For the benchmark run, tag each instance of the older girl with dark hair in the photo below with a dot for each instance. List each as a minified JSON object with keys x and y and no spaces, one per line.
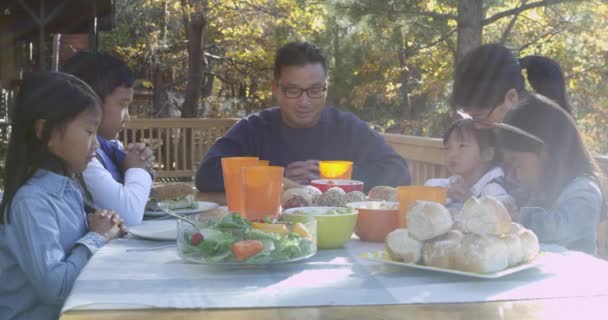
{"x":551,"y":174}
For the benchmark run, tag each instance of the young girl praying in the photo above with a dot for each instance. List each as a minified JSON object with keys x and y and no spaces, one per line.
{"x":46,"y":234}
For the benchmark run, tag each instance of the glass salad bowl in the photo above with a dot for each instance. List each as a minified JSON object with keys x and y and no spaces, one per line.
{"x":233,"y":240}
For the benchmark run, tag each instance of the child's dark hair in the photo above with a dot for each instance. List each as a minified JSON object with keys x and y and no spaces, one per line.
{"x":486,"y":138}
{"x":298,"y":54}
{"x":484,"y":76}
{"x":102,"y":71}
{"x":566,"y":151}
{"x":57,"y":98}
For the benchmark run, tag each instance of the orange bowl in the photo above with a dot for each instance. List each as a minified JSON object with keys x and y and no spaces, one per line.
{"x":376,"y":219}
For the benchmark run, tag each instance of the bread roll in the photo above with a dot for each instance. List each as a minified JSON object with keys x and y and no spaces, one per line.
{"x":481,"y":254}
{"x":296,"y":197}
{"x":485,"y":216}
{"x":314,"y":193}
{"x":334,"y":197}
{"x":453,"y":235}
{"x":529,"y":244}
{"x":171,"y":191}
{"x":515,"y":252}
{"x":516,"y":227}
{"x":427,"y":220}
{"x":355,"y":196}
{"x":402,"y":247}
{"x":289,"y":184}
{"x":457,"y":218}
{"x":440,"y":253}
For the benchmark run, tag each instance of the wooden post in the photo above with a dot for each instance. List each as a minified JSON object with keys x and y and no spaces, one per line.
{"x":42,"y":34}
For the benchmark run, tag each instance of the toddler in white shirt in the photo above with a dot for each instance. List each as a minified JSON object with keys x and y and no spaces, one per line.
{"x":473,"y":160}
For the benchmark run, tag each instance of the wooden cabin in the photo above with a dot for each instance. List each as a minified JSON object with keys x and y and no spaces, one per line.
{"x":38,"y":34}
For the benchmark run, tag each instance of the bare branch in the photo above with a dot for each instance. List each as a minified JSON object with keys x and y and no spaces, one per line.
{"x":598,"y":68}
{"x":523,"y":8}
{"x":437,"y":15}
{"x":549,"y":35}
{"x":441,"y":39}
{"x":511,"y":24}
{"x":222,"y":78}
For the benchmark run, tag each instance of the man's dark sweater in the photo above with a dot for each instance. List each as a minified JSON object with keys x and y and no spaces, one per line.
{"x":338,"y":136}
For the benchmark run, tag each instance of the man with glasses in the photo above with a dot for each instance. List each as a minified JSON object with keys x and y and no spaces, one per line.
{"x":302,"y":130}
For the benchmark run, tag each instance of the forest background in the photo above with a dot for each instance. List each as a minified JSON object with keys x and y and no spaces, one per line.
{"x":391,"y":62}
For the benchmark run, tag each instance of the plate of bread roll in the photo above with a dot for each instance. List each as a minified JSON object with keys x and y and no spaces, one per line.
{"x":480,"y":241}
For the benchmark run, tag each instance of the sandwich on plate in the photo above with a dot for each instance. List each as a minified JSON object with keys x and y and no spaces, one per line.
{"x":172,"y":196}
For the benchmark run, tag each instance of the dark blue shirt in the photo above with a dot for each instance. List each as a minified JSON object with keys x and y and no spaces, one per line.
{"x":338,"y":136}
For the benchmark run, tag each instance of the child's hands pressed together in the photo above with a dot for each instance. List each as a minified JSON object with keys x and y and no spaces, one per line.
{"x":107,"y":223}
{"x":138,"y":156}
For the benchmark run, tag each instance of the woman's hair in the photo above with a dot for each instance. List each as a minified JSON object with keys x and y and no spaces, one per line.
{"x":486,"y":138}
{"x":57,"y":98}
{"x":554,"y":131}
{"x":102,"y":71}
{"x":484,"y":76}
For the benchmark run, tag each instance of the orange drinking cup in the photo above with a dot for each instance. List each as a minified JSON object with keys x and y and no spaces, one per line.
{"x":233,"y":180}
{"x":336,"y":170}
{"x":408,"y":195}
{"x":262,"y":188}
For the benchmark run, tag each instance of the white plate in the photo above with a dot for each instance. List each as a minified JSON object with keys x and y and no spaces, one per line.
{"x":155,"y":230}
{"x":382,"y":256}
{"x":202,"y":207}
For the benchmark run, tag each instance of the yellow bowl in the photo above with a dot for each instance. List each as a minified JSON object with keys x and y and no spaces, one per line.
{"x":333,"y":230}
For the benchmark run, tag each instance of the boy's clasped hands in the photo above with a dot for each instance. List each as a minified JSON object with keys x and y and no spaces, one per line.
{"x":138,"y":155}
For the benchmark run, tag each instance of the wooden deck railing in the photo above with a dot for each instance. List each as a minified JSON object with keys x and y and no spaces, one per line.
{"x":180,"y":144}
{"x":425,"y":156}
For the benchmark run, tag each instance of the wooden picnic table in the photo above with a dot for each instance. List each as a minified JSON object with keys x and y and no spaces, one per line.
{"x":590,"y":307}
{"x":549,"y":309}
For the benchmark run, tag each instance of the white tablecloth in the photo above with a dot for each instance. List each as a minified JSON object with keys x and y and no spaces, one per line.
{"x":116,"y":279}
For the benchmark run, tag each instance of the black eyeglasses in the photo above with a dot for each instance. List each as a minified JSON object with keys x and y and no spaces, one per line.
{"x":485,"y":120}
{"x":313,"y":93}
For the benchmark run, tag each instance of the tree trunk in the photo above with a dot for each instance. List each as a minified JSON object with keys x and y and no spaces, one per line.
{"x":337,"y":74}
{"x":470,"y":26}
{"x":159,"y":92}
{"x":404,"y":74}
{"x":195,"y":28}
{"x":208,"y":78}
